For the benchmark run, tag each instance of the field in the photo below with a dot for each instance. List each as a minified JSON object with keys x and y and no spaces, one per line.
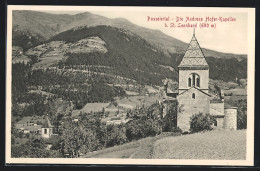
{"x":19,"y":141}
{"x":31,"y":119}
{"x":94,"y":107}
{"x":218,"y":145}
{"x":21,"y":59}
{"x":237,"y":91}
{"x":234,"y":98}
{"x":142,"y":148}
{"x":132,"y":101}
{"x":53,"y":52}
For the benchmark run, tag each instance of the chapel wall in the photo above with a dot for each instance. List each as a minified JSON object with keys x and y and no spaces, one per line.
{"x":190,"y":107}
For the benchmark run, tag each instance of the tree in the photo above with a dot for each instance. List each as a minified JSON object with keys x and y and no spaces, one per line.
{"x":115,"y":135}
{"x":103,"y":110}
{"x":155,"y":111}
{"x":169,"y":122}
{"x":34,"y":59}
{"x":84,"y":136}
{"x":201,"y":122}
{"x":77,"y":140}
{"x":57,"y":120}
{"x":142,"y":127}
{"x":34,"y":148}
{"x":241,"y":114}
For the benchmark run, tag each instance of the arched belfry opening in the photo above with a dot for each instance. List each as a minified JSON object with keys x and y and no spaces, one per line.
{"x":189,"y":82}
{"x":198,"y":82}
{"x":194,"y":80}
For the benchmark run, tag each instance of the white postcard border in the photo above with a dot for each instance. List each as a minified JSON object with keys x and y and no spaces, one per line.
{"x":250,"y":90}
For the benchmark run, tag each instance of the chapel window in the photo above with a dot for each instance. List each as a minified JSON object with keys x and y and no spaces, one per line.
{"x":193,"y":79}
{"x":189,"y":82}
{"x":193,"y":95}
{"x":198,"y":82}
{"x":45,"y":131}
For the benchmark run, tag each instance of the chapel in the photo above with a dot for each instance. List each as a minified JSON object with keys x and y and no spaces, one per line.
{"x":193,"y":94}
{"x":47,"y":128}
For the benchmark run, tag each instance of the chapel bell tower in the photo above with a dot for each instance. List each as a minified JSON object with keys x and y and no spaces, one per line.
{"x":193,"y":69}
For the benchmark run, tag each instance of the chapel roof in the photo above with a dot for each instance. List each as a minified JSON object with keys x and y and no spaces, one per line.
{"x":196,"y":89}
{"x":47,"y":123}
{"x":214,"y":112}
{"x":193,"y":56}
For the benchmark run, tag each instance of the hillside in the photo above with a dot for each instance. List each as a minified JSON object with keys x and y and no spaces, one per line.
{"x":127,"y":55}
{"x":131,"y":56}
{"x":44,"y":25}
{"x":113,"y":51}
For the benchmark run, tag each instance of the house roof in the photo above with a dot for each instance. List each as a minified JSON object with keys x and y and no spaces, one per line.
{"x":29,"y":128}
{"x":169,"y":90}
{"x":216,"y":113}
{"x":193,"y":56}
{"x":47,"y":123}
{"x":196,"y":89}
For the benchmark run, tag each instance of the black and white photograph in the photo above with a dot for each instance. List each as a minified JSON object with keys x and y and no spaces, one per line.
{"x":130,"y":85}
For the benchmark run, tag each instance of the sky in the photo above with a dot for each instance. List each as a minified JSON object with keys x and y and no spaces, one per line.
{"x":229,"y":37}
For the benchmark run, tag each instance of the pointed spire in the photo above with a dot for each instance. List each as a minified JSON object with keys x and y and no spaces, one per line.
{"x":47,"y":123}
{"x":193,"y":56}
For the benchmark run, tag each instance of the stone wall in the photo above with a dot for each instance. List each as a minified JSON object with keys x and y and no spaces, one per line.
{"x":191,"y":106}
{"x":220,"y":122}
{"x":230,"y":119}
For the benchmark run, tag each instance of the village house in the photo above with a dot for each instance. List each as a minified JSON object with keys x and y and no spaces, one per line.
{"x":27,"y":125}
{"x":193,"y":92}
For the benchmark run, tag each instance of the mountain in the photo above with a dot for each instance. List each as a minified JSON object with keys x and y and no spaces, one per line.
{"x":45,"y":25}
{"x":97,"y":64}
{"x":128,"y":55}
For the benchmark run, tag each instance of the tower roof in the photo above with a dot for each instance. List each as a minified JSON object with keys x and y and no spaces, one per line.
{"x":193,"y":56}
{"x":47,"y":123}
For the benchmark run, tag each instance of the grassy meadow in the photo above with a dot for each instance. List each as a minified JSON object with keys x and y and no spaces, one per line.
{"x":214,"y":145}
{"x":142,"y":149}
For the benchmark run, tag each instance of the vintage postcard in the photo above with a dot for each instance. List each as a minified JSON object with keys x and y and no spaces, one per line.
{"x":130,"y":85}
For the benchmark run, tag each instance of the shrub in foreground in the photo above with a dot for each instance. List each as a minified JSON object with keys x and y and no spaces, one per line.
{"x":201,"y":122}
{"x":141,"y":128}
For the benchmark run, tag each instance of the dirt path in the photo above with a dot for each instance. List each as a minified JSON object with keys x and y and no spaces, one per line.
{"x":138,"y":149}
{"x":145,"y":150}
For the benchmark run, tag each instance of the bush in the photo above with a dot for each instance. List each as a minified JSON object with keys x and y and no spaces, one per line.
{"x":115,"y":135}
{"x":201,"y":122}
{"x":34,"y":148}
{"x":141,"y":128}
{"x":241,"y":114}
